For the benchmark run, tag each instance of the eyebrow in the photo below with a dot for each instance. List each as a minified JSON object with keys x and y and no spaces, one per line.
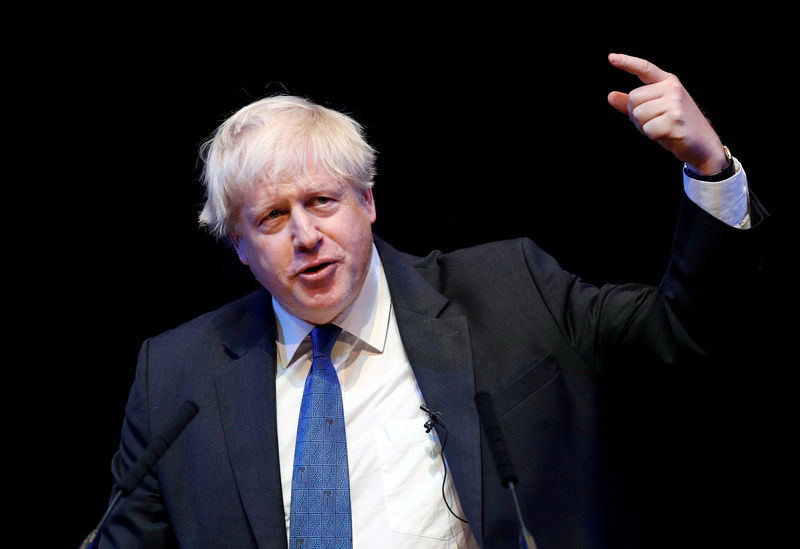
{"x":264,"y":203}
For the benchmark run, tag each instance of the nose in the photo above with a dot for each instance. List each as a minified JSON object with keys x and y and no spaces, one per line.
{"x":305,"y":232}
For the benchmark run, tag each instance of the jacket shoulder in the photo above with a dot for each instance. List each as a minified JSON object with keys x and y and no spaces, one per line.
{"x":235,"y":324}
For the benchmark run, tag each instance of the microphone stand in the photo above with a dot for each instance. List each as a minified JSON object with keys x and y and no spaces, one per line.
{"x":525,"y":537}
{"x":88,"y":543}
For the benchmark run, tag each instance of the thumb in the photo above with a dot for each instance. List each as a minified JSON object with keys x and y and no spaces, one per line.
{"x":619,"y":101}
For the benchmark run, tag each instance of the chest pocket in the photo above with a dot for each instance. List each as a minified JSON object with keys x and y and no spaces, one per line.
{"x":526,"y":385}
{"x":412,"y":471}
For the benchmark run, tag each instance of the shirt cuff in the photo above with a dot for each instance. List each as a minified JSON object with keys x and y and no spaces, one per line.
{"x":727,"y":200}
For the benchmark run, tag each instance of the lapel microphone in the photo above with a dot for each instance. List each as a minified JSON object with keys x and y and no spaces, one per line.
{"x":435,"y":418}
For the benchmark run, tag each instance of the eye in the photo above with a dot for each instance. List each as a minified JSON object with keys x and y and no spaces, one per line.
{"x":271,"y":218}
{"x":321,"y":201}
{"x":322,"y":204}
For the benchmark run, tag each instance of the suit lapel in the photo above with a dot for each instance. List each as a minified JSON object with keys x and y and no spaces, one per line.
{"x":246,"y":397}
{"x":436,"y":339}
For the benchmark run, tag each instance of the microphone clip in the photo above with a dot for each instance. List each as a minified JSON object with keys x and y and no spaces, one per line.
{"x":434,"y":419}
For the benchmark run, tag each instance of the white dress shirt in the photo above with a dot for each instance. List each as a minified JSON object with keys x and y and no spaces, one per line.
{"x":396,"y":468}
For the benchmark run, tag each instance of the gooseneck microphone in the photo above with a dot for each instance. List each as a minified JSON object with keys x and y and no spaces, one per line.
{"x":145,"y":462}
{"x":502,"y":459}
{"x":156,"y":448}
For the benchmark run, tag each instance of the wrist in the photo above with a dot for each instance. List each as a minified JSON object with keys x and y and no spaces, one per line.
{"x":727,"y":171}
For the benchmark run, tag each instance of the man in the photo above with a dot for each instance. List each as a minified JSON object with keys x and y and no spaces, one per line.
{"x":289,"y":183}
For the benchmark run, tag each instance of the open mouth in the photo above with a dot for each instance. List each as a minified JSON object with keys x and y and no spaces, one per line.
{"x":315,"y":268}
{"x":317,"y":271}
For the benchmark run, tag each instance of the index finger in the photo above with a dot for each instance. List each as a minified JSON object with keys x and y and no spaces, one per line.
{"x":645,"y":70}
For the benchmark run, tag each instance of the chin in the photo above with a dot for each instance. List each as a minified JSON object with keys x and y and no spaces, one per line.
{"x":322,"y":312}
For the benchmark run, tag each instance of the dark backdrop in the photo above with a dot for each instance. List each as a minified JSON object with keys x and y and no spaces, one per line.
{"x":490,"y":122}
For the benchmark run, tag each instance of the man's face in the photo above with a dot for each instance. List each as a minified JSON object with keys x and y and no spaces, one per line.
{"x":308,"y":242}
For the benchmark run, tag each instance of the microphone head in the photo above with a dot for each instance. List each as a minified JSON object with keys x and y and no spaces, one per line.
{"x":158,"y":445}
{"x":182,"y":417}
{"x":495,"y":438}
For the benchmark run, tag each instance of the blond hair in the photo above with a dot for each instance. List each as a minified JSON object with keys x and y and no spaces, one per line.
{"x":276,"y":139}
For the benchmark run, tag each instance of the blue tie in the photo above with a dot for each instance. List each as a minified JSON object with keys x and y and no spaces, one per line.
{"x":320,"y":508}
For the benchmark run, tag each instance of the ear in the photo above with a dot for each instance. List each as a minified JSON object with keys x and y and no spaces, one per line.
{"x":369,"y":205}
{"x":238,"y":246}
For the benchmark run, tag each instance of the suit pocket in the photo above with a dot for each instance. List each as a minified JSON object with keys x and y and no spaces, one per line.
{"x":526,"y":385}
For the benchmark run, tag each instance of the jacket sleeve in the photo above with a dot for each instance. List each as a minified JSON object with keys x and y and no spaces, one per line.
{"x":698,"y":309}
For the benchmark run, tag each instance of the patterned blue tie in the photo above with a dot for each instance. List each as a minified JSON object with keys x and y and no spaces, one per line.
{"x":320,"y":508}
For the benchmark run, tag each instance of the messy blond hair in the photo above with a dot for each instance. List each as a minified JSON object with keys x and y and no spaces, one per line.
{"x":275,"y":139}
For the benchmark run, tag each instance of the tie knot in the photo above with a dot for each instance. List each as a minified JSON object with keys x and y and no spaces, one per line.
{"x":322,"y":339}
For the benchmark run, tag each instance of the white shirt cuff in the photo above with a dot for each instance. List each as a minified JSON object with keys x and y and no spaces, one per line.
{"x":727,"y":200}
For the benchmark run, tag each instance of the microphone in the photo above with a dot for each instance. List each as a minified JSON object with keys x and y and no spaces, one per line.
{"x":145,"y":462}
{"x":502,"y":459}
{"x":156,"y":448}
{"x":434,"y":419}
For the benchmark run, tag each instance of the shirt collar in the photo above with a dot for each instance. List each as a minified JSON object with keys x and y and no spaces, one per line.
{"x":367,"y":318}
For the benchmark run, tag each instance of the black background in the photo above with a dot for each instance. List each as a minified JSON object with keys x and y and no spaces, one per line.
{"x":490,"y":122}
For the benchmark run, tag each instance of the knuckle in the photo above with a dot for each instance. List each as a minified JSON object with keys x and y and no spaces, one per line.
{"x":673,"y":81}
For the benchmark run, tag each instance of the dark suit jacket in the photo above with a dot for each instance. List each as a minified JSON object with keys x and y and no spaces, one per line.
{"x":502,"y":317}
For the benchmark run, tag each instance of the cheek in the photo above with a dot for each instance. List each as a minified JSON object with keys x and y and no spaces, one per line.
{"x":264,"y":260}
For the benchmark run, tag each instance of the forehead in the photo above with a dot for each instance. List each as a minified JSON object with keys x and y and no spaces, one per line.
{"x":264,"y":191}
